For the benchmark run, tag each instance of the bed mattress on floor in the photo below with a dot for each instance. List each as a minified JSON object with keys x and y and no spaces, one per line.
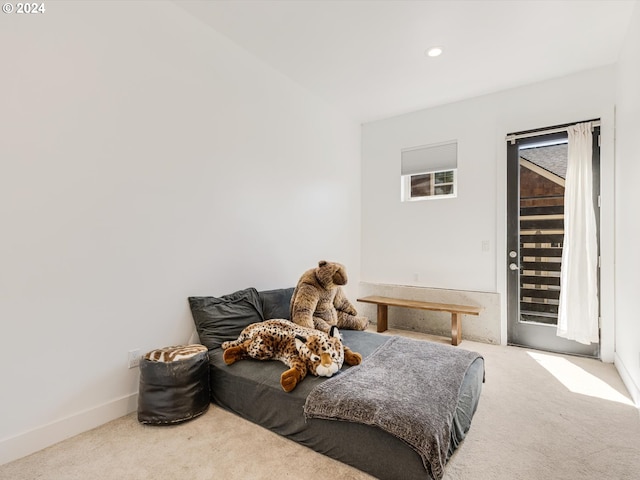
{"x":251,"y":389}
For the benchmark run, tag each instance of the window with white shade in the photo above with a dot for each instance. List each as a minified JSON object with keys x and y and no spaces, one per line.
{"x":429,"y":171}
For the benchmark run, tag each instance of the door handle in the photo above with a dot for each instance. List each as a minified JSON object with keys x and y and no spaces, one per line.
{"x":513,"y":266}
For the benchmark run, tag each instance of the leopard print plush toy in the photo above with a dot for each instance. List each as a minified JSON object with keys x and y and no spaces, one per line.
{"x":301,"y":349}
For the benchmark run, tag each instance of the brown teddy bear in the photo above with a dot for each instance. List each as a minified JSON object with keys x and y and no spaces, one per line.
{"x":319,"y":302}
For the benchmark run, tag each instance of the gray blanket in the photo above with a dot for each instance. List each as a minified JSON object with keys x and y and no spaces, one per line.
{"x":406,"y":387}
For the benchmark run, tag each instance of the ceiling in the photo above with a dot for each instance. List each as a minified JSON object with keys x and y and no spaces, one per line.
{"x":368,"y":57}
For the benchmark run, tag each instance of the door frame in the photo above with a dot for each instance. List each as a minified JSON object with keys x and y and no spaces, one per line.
{"x":538,"y":336}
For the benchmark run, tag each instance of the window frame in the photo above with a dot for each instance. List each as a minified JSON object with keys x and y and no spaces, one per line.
{"x":407,"y":193}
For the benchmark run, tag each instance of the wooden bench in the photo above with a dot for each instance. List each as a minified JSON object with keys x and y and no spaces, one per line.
{"x":456,"y":312}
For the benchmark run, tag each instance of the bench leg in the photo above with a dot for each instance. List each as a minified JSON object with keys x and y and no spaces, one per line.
{"x":381,"y":324}
{"x":456,"y":328}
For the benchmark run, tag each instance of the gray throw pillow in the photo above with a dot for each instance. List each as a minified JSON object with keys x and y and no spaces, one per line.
{"x":276,"y":303}
{"x":219,"y":319}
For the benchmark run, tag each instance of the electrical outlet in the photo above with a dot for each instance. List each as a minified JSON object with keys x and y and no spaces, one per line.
{"x":134,"y":358}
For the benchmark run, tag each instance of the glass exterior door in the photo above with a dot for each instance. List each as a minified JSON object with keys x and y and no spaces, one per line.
{"x":536,"y":173}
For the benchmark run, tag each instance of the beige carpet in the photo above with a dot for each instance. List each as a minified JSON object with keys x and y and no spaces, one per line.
{"x":574,"y":423}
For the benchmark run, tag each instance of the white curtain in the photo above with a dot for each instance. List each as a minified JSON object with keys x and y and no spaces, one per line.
{"x":578,"y":310}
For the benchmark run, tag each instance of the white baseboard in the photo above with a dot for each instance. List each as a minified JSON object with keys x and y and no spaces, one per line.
{"x":18,"y":446}
{"x":633,"y":389}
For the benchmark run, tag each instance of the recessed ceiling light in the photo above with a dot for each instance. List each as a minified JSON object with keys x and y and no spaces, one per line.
{"x":434,"y":51}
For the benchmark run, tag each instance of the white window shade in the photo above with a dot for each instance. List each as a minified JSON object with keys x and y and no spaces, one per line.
{"x":430,"y":158}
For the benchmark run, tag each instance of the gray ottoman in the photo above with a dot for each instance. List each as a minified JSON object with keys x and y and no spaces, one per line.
{"x":174,"y":385}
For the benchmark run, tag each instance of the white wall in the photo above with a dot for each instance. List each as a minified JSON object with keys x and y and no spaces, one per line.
{"x":627,"y":201}
{"x":145,"y":158}
{"x":440,"y":241}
